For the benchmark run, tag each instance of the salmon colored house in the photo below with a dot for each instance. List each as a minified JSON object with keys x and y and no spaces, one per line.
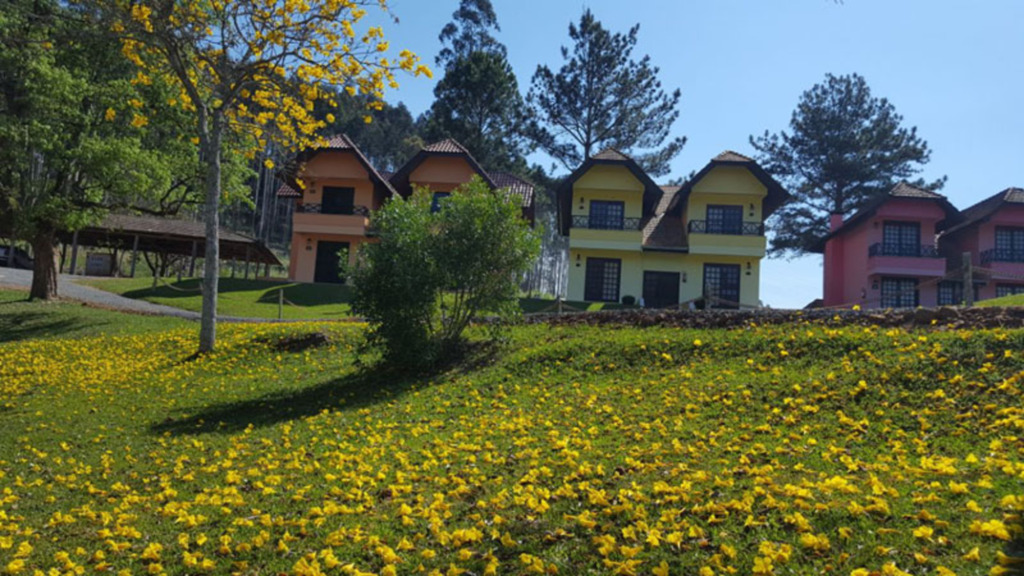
{"x":666,"y":245}
{"x":886,"y":255}
{"x":342,"y":188}
{"x":992,"y":231}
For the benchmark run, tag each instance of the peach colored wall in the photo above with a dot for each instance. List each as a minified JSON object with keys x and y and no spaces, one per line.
{"x":337,"y":169}
{"x":303,"y":263}
{"x":442,"y":173}
{"x":850,"y":274}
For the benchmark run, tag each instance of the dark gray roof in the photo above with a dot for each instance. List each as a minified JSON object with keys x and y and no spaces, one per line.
{"x":984,"y":209}
{"x":516,"y":186}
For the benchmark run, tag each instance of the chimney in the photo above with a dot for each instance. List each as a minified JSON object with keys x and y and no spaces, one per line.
{"x":834,"y":222}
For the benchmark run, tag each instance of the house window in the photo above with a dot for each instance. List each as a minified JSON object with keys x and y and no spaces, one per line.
{"x":1009,"y":244}
{"x":438,"y":200}
{"x":901,"y":239}
{"x":602,"y":280}
{"x":722,"y":285}
{"x":605,"y":215}
{"x":1009,"y":290}
{"x":725,"y":219}
{"x":950,"y":293}
{"x":337,"y":200}
{"x":899,"y":293}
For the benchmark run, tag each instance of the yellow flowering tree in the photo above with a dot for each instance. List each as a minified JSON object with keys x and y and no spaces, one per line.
{"x":252,"y":71}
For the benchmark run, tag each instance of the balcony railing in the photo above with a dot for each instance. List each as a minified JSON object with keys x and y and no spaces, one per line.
{"x":1000,"y":255}
{"x":902,"y":250}
{"x":744,"y":229}
{"x":626,"y":223}
{"x":343,"y":211}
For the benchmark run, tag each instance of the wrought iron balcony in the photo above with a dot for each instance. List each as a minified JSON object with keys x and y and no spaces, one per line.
{"x":605,"y":224}
{"x":903,"y":250}
{"x":738,"y":229}
{"x":1001,"y":255}
{"x":341,"y":210}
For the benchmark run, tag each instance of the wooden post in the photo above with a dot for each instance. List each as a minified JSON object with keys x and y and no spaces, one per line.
{"x":74,"y":252}
{"x":246,"y":262}
{"x":233,"y":268}
{"x":558,"y":304}
{"x":135,"y":255}
{"x":192,"y":262}
{"x":968,"y":280}
{"x":280,"y":304}
{"x":266,"y":271}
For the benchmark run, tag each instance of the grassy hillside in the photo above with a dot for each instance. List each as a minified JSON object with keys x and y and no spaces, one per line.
{"x":238,"y":297}
{"x":1015,"y":300}
{"x":786,"y":450}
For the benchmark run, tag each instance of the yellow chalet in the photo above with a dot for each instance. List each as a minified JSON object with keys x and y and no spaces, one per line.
{"x":665,"y":245}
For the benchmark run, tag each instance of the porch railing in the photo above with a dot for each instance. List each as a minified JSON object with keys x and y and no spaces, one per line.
{"x":903,"y":250}
{"x":603,"y":224}
{"x":312,"y":208}
{"x":1001,"y":255}
{"x":742,"y":229}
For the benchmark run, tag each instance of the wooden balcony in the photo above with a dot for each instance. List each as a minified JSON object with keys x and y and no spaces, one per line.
{"x":905,"y":260}
{"x":309,"y":219}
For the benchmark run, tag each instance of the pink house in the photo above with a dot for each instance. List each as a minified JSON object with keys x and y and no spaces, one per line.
{"x":993,"y":232}
{"x":885,"y":255}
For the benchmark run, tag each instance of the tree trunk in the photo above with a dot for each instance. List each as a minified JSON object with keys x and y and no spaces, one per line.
{"x":44,"y":267}
{"x":211,"y":262}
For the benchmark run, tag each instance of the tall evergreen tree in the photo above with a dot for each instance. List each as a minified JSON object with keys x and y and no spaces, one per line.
{"x":845,"y":148}
{"x":477,"y":102}
{"x":601,"y":97}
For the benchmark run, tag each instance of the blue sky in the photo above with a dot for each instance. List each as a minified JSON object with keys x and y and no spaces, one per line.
{"x":953,"y":69}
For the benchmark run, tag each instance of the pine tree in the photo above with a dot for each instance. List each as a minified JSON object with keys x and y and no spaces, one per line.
{"x":845,"y":148}
{"x":601,"y":97}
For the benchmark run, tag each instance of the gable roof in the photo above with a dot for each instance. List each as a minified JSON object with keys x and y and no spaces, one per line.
{"x":447,"y":147}
{"x":776,"y":197}
{"x":608,"y":157}
{"x":660,"y":233}
{"x":337,"y":143}
{"x":900,"y":190}
{"x":986,"y":208}
{"x":517,"y":187}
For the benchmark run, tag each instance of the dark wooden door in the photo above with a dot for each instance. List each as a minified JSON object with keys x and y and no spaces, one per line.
{"x":328,"y":262}
{"x":661,"y":289}
{"x":602,"y":280}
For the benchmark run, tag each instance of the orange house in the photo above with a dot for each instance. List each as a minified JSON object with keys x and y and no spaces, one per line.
{"x":342,"y":189}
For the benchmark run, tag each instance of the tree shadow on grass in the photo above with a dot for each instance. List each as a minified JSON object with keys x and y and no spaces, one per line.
{"x":348,"y":392}
{"x":370,"y":385}
{"x":32,"y":325}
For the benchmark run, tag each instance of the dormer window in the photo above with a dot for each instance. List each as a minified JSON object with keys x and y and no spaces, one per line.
{"x":338,"y":200}
{"x":725,"y":219}
{"x":607,"y":215}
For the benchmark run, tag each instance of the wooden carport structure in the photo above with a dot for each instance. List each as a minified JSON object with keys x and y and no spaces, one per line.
{"x":166,"y":236}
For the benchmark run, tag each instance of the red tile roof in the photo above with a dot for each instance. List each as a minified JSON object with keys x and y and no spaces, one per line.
{"x":986,"y":208}
{"x":516,"y":186}
{"x":286,"y":191}
{"x":446,"y":146}
{"x":730,"y":156}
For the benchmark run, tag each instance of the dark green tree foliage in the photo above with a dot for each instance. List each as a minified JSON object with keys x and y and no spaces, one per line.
{"x":75,"y":133}
{"x":477,"y":101}
{"x":432,"y":273}
{"x":388,"y":140}
{"x":845,"y":148}
{"x":469,"y":32}
{"x":601,"y":97}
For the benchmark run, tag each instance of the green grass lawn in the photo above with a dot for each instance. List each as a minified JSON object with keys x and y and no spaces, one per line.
{"x":237,"y":297}
{"x":799,"y":449}
{"x":23,"y":320}
{"x":1015,"y":300}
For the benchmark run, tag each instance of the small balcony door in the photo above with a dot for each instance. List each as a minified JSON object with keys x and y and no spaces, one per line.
{"x":607,"y":215}
{"x":722,"y":285}
{"x":725,"y":219}
{"x":661,"y":289}
{"x":337,"y":200}
{"x":328,"y":262}
{"x":602,"y":280}
{"x":901,"y":239}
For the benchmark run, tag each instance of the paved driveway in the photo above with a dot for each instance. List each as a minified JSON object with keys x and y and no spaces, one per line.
{"x":68,"y":289}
